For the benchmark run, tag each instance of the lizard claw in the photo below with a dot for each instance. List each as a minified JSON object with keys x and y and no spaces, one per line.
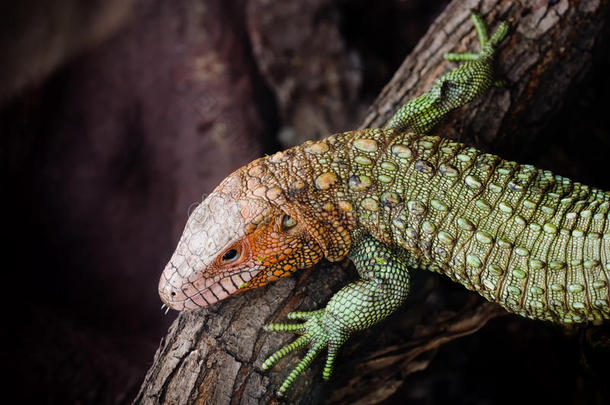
{"x":317,"y":331}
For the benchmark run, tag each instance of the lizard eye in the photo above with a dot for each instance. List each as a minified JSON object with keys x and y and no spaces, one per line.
{"x":230,"y":255}
{"x":288,"y":222}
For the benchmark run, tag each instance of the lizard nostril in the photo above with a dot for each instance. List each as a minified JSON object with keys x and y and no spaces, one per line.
{"x":173,"y":294}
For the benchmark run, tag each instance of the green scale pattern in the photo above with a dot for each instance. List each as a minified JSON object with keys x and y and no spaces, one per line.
{"x":383,"y":286}
{"x":535,"y":242}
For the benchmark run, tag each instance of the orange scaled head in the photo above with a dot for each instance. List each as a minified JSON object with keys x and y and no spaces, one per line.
{"x":238,"y":238}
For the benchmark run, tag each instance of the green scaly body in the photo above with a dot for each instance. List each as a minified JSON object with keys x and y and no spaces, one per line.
{"x":535,"y":242}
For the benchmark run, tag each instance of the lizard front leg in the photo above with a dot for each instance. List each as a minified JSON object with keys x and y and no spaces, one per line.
{"x":383,"y":286}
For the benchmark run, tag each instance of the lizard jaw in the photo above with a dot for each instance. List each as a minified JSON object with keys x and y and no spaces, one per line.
{"x":201,"y":292}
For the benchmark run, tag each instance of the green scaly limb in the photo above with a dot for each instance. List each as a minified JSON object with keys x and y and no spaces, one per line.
{"x":455,"y":89}
{"x":382,"y":288}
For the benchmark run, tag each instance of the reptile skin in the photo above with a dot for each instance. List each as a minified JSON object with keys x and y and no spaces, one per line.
{"x":395,"y":199}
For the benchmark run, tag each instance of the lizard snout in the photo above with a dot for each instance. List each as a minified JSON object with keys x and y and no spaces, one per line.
{"x":170,"y":295}
{"x":178,"y":293}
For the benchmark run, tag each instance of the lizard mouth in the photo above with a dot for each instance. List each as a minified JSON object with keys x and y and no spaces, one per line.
{"x":202,"y":292}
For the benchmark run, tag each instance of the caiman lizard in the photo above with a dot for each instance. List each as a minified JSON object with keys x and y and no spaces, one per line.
{"x":394,"y":199}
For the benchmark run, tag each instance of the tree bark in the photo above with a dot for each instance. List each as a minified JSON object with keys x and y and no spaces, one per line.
{"x":214,"y":355}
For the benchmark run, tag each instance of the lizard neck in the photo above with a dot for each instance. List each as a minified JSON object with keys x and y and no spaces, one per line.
{"x":345,"y":185}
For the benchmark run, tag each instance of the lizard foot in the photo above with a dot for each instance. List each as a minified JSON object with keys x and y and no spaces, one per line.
{"x":455,"y":88}
{"x":317,"y":331}
{"x":487,"y":44}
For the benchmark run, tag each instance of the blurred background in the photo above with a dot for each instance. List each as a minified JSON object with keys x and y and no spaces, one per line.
{"x":117,"y":116}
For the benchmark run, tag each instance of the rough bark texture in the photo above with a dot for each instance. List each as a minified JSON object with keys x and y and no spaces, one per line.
{"x":214,"y":355}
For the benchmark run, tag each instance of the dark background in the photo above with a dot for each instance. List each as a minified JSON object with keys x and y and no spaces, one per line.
{"x":117,"y":116}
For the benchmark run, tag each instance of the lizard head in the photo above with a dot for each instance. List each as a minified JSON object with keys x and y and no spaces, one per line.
{"x":240,"y":237}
